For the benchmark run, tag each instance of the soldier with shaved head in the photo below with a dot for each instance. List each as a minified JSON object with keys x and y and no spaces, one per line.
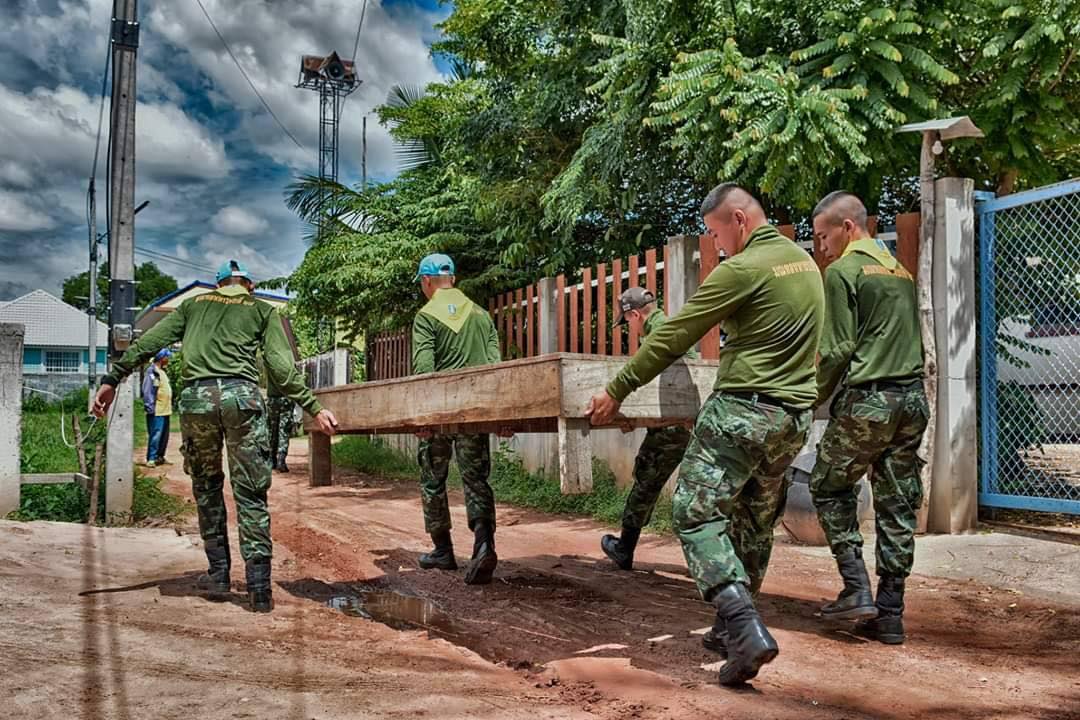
{"x":872,"y":349}
{"x":731,"y":486}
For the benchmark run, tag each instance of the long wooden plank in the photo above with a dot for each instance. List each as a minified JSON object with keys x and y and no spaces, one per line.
{"x":575,"y":457}
{"x":586,"y":311}
{"x":650,"y":270}
{"x":601,"y":309}
{"x":518,"y":389}
{"x":543,"y":389}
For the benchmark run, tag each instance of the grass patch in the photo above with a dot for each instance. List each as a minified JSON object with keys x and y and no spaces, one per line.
{"x":43,"y":451}
{"x":511,"y":481}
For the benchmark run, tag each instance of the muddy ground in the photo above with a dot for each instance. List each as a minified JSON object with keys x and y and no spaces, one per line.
{"x":107,"y":624}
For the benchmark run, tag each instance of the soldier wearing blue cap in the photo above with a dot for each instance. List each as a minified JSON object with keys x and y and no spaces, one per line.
{"x":157,"y":401}
{"x":449,"y":333}
{"x":221,"y":406}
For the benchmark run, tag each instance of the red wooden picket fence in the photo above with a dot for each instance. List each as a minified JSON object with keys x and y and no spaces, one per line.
{"x":584,"y":306}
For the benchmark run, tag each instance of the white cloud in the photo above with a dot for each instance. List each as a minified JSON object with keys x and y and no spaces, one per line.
{"x":16,"y":215}
{"x":55,"y":130}
{"x":209,"y":156}
{"x":269,"y":41}
{"x":236,"y":221}
{"x":12,"y":174}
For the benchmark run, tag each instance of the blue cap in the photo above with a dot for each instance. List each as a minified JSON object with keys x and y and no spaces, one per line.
{"x":435,"y":264}
{"x":232,"y":268}
{"x":162,"y":354}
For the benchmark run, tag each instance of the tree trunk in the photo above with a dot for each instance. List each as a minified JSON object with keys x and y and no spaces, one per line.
{"x":925,"y":284}
{"x":1007,"y":182}
{"x":95,"y":484}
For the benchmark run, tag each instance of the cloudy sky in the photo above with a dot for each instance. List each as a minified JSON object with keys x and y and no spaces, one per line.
{"x":210,"y":160}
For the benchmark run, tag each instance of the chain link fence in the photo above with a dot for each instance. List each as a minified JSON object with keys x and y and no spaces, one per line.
{"x":1029,"y":258}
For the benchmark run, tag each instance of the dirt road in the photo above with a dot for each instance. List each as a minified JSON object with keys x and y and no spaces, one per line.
{"x":558,"y":634}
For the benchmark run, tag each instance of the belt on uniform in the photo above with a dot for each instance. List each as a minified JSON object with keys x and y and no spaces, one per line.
{"x":889,"y":385}
{"x":763,"y":399}
{"x":219,"y":381}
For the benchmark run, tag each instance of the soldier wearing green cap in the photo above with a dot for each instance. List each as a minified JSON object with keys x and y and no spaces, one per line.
{"x":731,"y":488}
{"x":221,"y":405}
{"x":662,"y":449}
{"x":871,"y":348}
{"x":452,"y":332}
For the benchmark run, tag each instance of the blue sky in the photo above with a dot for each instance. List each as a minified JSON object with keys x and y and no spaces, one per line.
{"x":210,"y":160}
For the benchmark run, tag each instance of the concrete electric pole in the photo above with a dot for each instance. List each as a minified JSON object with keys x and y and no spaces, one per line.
{"x":125,"y":42}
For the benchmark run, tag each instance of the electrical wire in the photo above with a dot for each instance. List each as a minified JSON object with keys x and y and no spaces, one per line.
{"x":242,"y":72}
{"x":63,"y":425}
{"x":356,"y":44}
{"x":173,"y":259}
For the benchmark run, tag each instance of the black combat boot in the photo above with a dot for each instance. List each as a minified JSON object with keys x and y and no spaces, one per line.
{"x":888,"y":626}
{"x":621,"y":549}
{"x":484,"y":559}
{"x":749,"y":644}
{"x":260,"y":598}
{"x":442,"y":557}
{"x":215,"y":580}
{"x":855,"y":601}
{"x":715,"y":638}
{"x":282,"y":467}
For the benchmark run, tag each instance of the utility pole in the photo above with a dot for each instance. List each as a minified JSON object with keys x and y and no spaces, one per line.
{"x":125,"y":43}
{"x":363,"y":155}
{"x":92,"y":310}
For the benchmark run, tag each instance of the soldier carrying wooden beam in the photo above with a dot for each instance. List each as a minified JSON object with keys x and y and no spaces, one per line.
{"x":731,"y":487}
{"x":449,"y":333}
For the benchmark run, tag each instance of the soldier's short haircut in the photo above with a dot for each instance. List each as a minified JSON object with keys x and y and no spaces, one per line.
{"x":719,"y":195}
{"x":841,"y":205}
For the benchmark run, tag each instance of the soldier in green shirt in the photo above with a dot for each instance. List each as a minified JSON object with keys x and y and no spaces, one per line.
{"x":731,"y":486}
{"x":449,"y":333}
{"x":872,"y":347}
{"x":661,"y":451}
{"x":221,"y":405}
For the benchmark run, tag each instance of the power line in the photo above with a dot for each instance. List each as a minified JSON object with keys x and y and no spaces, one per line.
{"x":356,"y":43}
{"x":154,"y":255}
{"x":242,"y":72}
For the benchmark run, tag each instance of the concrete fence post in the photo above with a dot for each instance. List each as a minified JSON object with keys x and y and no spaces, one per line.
{"x":341,"y":366}
{"x":954,"y":496}
{"x":681,"y":271}
{"x":11,"y":363}
{"x":549,"y":321}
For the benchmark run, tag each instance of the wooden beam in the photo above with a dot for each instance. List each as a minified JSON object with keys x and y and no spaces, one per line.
{"x":575,"y":457}
{"x":543,"y":388}
{"x":320,"y":468}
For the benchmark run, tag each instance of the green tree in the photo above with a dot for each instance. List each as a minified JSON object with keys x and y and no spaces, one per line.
{"x":151,"y":283}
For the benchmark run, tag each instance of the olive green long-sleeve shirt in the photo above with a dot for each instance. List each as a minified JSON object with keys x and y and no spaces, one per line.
{"x":871,"y":325}
{"x":222,"y":332}
{"x":770,"y":300}
{"x":452,"y":332}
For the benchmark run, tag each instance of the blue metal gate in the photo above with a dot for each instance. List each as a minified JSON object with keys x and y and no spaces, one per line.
{"x":1029,"y":336}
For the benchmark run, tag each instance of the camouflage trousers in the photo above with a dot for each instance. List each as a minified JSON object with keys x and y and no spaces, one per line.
{"x":228,"y":413}
{"x":880,"y":430}
{"x":280,"y":421}
{"x":660,"y":453}
{"x":474,"y":461}
{"x":732,"y":489}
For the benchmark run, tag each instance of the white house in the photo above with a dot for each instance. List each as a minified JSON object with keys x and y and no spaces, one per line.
{"x":56,"y":356}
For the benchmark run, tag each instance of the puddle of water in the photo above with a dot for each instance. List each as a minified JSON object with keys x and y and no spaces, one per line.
{"x":401,"y":612}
